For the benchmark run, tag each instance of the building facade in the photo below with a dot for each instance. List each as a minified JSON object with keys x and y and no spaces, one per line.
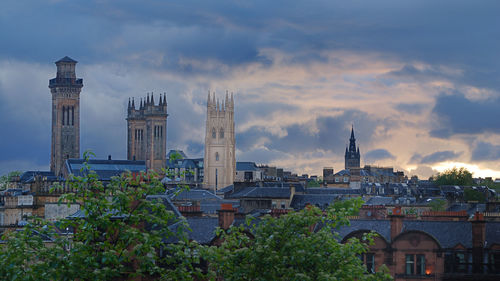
{"x":220,"y":159}
{"x":352,"y":156}
{"x":147,"y":132}
{"x":65,"y":90}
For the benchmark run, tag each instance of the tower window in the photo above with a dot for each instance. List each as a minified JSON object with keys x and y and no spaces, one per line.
{"x":214,"y":135}
{"x":216,"y":156}
{"x":221,"y":133}
{"x":72,"y":116}
{"x":63,"y":114}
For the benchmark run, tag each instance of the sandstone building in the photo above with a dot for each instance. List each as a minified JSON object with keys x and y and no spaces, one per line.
{"x":219,"y":160}
{"x":65,"y":89}
{"x":147,"y":132}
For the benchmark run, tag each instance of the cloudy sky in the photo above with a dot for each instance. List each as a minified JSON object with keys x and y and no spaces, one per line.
{"x":419,"y":80}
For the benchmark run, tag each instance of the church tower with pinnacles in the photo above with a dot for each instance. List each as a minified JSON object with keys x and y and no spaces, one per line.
{"x":147,"y":131}
{"x":65,"y":90}
{"x":219,"y":160}
{"x":352,"y":156}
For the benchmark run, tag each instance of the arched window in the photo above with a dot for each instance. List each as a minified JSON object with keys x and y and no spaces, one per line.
{"x":216,"y":156}
{"x":213,"y":133}
{"x":221,"y":133}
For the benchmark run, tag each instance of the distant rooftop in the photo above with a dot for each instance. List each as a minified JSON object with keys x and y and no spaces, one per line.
{"x":66,"y":59}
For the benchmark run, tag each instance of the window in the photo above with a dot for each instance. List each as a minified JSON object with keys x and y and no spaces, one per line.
{"x":410,"y":263}
{"x":415,"y":268}
{"x":214,"y":135}
{"x":221,"y":133}
{"x":420,"y":264}
{"x":283,"y":205}
{"x":494,"y":262}
{"x":368,"y":260}
{"x":216,"y":156}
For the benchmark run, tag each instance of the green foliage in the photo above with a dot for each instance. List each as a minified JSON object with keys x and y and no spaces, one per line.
{"x":438,"y":205}
{"x":454,"y":176}
{"x":119,"y":237}
{"x":5,"y":179}
{"x":297,"y":246}
{"x":474,"y":195}
{"x":317,"y":183}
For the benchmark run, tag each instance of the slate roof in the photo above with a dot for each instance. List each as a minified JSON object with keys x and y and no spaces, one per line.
{"x":471,"y":208}
{"x":262,"y":192}
{"x":195,"y":195}
{"x":66,"y":59}
{"x":492,"y":233}
{"x":299,"y":201}
{"x":380,"y":200}
{"x":332,"y":191}
{"x":382,"y":227}
{"x":105,"y":169}
{"x":447,"y":233}
{"x":29,"y":176}
{"x":184,"y":163}
{"x":202,"y":229}
{"x":246,"y":166}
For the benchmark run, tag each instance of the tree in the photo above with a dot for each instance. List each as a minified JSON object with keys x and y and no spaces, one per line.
{"x":438,"y":205}
{"x":296,"y":246}
{"x":118,"y":236}
{"x":454,"y":176}
{"x":474,"y":195}
{"x":5,"y":179}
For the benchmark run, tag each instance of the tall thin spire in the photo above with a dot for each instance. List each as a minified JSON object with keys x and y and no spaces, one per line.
{"x":164,"y":98}
{"x":141,"y":106}
{"x":133,"y":103}
{"x":152,"y":99}
{"x":129,"y":104}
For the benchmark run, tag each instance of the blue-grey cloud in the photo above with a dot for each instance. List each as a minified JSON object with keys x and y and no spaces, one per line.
{"x":457,"y":114}
{"x":412,"y":108}
{"x":439,"y":156}
{"x":234,"y":32}
{"x":378,"y":154}
{"x":485,"y":151}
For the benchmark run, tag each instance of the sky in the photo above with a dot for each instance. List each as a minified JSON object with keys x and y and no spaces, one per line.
{"x":418,"y":80}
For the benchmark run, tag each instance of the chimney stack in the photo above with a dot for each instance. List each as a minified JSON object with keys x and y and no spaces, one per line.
{"x":226,"y":215}
{"x":396,"y":222}
{"x":478,"y":238}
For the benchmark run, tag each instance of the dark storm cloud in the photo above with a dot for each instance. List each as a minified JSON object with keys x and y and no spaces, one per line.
{"x":233,"y":32}
{"x":484,"y":151}
{"x":378,"y":154}
{"x":435,"y":157}
{"x":456,"y":114}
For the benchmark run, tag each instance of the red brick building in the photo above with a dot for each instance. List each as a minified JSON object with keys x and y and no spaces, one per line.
{"x":447,"y":249}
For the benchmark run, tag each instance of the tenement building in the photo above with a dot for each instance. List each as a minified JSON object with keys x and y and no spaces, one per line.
{"x":219,"y":160}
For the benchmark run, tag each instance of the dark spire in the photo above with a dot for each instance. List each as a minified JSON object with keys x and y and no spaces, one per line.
{"x":129,"y":104}
{"x":164,"y":98}
{"x":160,"y":103}
{"x":140,"y":107}
{"x":152,"y":99}
{"x":133,"y":103}
{"x":352,"y":133}
{"x":147,"y":101}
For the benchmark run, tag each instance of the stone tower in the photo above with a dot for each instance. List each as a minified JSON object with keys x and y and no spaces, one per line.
{"x":220,"y":160}
{"x":65,"y":90}
{"x":147,"y":132}
{"x":352,"y":156}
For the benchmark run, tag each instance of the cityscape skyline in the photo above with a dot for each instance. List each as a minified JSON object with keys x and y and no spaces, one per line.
{"x":419,"y":81}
